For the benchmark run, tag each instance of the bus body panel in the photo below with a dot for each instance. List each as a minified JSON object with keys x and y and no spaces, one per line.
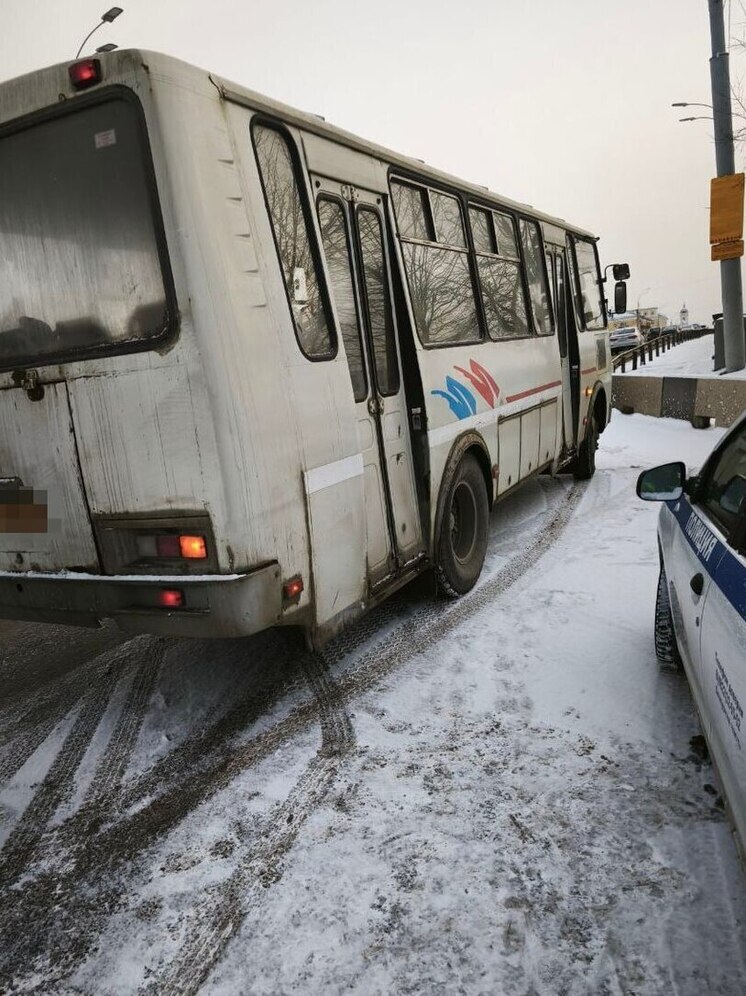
{"x":228,"y":419}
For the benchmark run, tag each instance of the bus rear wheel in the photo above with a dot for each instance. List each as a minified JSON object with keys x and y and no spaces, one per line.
{"x":462,"y":538}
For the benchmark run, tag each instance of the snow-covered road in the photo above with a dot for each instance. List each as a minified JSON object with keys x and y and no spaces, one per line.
{"x":500,"y":795}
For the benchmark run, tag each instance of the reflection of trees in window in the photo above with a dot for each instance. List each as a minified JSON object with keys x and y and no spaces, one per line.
{"x":377,"y":299}
{"x":533,"y":253}
{"x":335,"y":240}
{"x":409,"y":208}
{"x":502,"y":296}
{"x":499,"y":276}
{"x":440,"y":283}
{"x":505,"y":231}
{"x":590,"y":303}
{"x":449,"y":228}
{"x":293,"y":242}
{"x":442,"y":294}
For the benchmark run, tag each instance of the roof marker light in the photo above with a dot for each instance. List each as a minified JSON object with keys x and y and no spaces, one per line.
{"x":85,"y":73}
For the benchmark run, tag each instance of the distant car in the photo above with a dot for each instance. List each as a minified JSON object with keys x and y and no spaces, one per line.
{"x":652,"y":334}
{"x":668,"y":329}
{"x":700,"y":610}
{"x":625,"y":338}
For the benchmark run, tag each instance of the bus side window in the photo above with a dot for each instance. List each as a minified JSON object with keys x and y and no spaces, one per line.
{"x":293,"y":242}
{"x":335,"y":240}
{"x":589,"y":296}
{"x":377,"y":299}
{"x":436,"y":261}
{"x":533,"y":253}
{"x":499,"y":269}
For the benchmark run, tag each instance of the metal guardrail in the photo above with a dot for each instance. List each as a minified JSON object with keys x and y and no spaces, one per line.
{"x":644,"y":353}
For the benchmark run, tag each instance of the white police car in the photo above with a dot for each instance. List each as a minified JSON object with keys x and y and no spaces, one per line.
{"x":700,"y":611}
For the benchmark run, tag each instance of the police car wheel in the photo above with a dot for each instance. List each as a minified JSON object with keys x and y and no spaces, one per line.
{"x":666,"y":648}
{"x":584,"y":466}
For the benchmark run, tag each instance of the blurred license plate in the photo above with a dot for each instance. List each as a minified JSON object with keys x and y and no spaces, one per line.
{"x":22,"y":510}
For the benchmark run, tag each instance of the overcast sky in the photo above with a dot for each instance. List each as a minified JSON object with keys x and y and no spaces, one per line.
{"x":564,"y":105}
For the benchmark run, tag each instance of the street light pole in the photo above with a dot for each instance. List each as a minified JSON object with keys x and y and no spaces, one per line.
{"x":730,"y":269}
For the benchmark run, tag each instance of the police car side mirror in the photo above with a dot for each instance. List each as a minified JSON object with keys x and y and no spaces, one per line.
{"x":664,"y":483}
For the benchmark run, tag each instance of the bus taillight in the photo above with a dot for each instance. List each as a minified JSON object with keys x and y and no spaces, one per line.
{"x":176,"y":546}
{"x":193,"y":547}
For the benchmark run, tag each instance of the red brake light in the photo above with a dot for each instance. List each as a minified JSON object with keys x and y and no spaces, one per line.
{"x":170,"y":598}
{"x":84,"y":74}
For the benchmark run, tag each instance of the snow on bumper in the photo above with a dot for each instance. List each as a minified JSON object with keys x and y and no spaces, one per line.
{"x":214,"y":605}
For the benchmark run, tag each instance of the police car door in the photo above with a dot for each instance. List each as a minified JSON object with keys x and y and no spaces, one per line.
{"x":722,"y":497}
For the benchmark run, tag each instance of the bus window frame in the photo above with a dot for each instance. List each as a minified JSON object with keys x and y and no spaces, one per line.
{"x":314,"y":235}
{"x":573,"y":239}
{"x":543,"y":254}
{"x":531,"y":332}
{"x":396,"y":174}
{"x":378,"y":212}
{"x":332,"y":198}
{"x":170,"y":333}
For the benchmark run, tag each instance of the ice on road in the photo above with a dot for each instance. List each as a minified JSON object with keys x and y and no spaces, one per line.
{"x":501,"y":795}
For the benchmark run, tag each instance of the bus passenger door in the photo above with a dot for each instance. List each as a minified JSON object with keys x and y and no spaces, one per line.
{"x":354,"y":241}
{"x":567,"y":338}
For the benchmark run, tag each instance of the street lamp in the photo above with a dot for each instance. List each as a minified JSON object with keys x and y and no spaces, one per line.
{"x":111,"y":15}
{"x":687,"y":103}
{"x":702,"y":117}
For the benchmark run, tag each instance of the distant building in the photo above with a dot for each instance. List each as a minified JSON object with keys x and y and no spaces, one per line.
{"x":643,"y":319}
{"x":684,"y":315}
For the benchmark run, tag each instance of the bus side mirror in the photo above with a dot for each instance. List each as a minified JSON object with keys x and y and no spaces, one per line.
{"x":621,"y":271}
{"x":620,"y":297}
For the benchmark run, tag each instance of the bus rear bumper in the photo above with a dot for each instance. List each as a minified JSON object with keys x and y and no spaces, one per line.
{"x":213,"y":605}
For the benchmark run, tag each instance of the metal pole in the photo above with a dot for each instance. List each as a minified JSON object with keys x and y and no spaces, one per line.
{"x":730,"y":269}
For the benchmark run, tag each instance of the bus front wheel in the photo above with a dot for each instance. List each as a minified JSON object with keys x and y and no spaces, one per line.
{"x":462,"y":538}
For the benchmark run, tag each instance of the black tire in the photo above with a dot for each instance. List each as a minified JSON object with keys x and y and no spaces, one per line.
{"x":462,"y":538}
{"x":666,"y":647}
{"x":584,"y":466}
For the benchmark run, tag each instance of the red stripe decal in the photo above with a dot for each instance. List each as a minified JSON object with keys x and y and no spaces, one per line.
{"x":533,"y":390}
{"x":590,"y":370}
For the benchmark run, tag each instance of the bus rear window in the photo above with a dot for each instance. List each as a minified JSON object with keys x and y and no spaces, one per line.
{"x":80,"y":267}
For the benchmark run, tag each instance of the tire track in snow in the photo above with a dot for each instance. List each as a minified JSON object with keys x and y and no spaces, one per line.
{"x":110,"y":769}
{"x":34,"y":732}
{"x":218,"y":919}
{"x":48,"y":666}
{"x":55,"y":901}
{"x":21,"y":845}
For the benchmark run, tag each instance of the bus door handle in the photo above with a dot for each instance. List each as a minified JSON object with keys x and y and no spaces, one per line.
{"x":374,"y":406}
{"x":697,"y":584}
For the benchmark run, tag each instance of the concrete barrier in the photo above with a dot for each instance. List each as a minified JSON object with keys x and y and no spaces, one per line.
{"x":696,"y":399}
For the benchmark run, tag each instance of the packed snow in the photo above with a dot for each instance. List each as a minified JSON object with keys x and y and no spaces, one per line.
{"x":695,"y":358}
{"x":499,"y":795}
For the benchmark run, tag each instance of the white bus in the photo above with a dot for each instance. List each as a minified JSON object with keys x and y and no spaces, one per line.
{"x":257,"y":371}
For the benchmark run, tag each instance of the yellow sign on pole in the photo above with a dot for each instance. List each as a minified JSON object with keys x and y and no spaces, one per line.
{"x":726,"y":209}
